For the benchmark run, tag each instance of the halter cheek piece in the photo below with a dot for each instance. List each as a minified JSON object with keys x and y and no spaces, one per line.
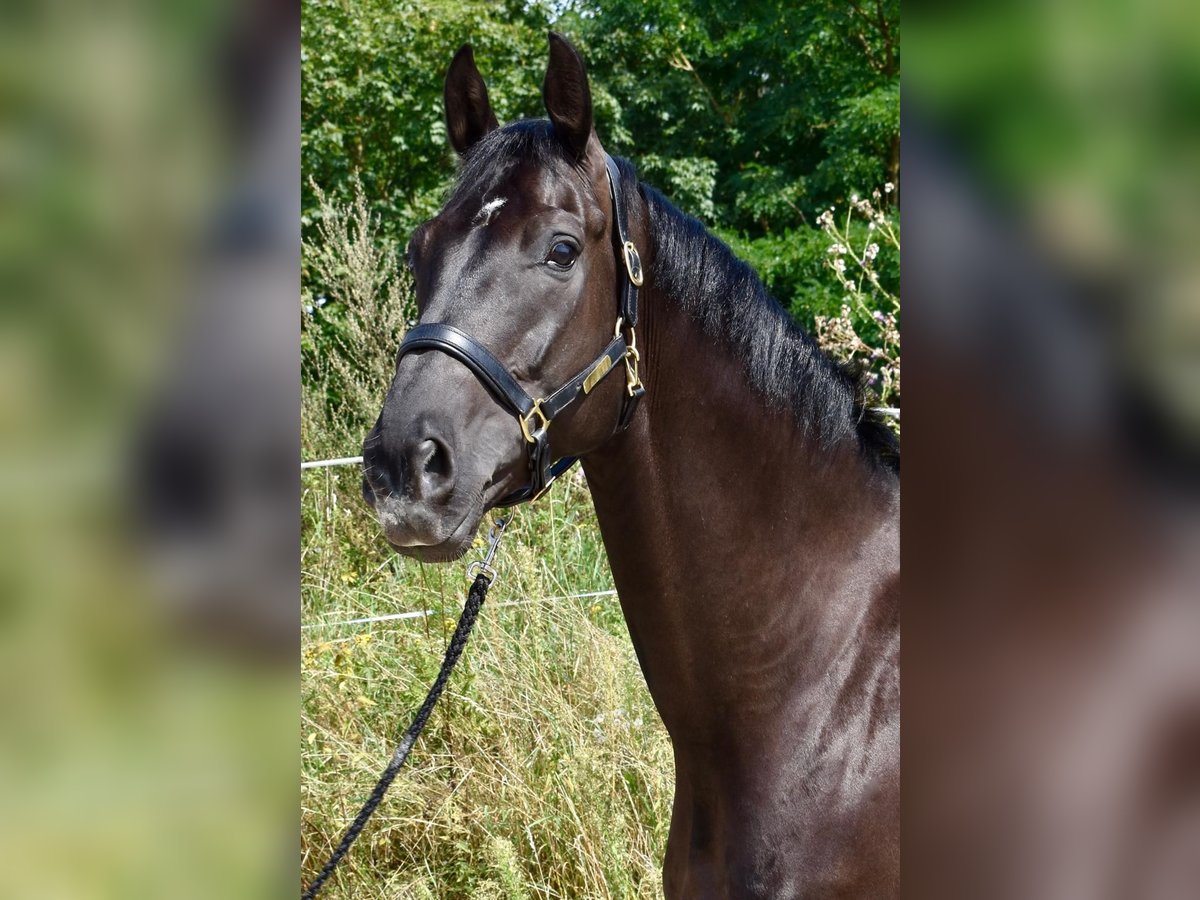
{"x":535,"y":416}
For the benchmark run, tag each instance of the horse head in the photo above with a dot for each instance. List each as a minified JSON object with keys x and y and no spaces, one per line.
{"x":518,"y":272}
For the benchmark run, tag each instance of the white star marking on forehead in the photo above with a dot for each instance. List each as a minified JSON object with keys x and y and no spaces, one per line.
{"x":484,"y":216}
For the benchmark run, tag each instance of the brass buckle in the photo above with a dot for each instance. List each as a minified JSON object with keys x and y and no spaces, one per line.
{"x":633,"y":381}
{"x":633,"y":263}
{"x":524,"y":420}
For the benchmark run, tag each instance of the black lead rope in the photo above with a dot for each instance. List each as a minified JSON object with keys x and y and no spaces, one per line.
{"x":458,"y":641}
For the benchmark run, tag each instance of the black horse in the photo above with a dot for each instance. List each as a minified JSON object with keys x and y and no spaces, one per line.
{"x":749,"y":503}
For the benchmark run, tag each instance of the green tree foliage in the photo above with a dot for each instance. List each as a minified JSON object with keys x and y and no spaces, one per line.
{"x":371,"y":77}
{"x":754,"y":116}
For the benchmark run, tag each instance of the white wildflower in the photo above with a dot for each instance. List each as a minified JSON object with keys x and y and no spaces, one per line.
{"x":871,"y":252}
{"x":888,"y":188}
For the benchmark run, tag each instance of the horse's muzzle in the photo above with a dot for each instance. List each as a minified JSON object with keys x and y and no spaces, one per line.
{"x":411,"y":488}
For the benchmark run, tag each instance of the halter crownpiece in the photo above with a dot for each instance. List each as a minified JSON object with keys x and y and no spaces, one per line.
{"x":534,"y":416}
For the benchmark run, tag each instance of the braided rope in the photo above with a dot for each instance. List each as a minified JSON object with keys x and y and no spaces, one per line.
{"x":466,"y":622}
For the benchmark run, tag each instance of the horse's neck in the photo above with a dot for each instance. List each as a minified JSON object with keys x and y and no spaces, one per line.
{"x":733,"y":542}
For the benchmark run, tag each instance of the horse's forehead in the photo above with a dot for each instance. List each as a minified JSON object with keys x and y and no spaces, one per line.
{"x":530,"y":189}
{"x":489,"y":209}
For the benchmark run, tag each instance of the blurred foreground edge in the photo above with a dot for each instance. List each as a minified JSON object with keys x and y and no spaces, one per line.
{"x":1051,"y":729}
{"x":213,"y":474}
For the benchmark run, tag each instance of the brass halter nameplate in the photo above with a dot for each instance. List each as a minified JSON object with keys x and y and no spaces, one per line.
{"x":596,"y":374}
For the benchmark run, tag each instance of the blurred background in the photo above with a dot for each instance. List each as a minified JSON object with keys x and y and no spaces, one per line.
{"x":149,"y":265}
{"x":1052,"y":303}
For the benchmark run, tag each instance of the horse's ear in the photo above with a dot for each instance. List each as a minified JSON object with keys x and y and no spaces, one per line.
{"x":469,"y":115}
{"x":567,"y":96}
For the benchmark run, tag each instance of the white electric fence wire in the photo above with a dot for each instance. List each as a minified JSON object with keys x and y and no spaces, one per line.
{"x":421,"y":613}
{"x":340,"y":461}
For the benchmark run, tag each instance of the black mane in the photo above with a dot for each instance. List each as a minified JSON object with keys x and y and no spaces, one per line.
{"x":728,"y":300}
{"x":721,"y":293}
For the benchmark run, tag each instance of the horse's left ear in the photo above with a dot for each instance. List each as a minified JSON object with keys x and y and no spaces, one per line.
{"x":567,"y":95}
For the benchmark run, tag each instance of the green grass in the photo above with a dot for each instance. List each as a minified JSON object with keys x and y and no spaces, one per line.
{"x":543,"y":773}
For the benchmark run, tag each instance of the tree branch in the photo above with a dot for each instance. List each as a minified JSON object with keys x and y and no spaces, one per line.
{"x":889,"y":44}
{"x":872,"y":24}
{"x":679,"y":61}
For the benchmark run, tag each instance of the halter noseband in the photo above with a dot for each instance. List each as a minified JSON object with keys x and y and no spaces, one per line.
{"x":535,"y":416}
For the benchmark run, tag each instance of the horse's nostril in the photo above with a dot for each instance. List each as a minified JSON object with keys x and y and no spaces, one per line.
{"x":437,"y":460}
{"x":431,"y":468}
{"x":422,"y":470}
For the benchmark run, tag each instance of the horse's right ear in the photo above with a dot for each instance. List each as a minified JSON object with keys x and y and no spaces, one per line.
{"x":469,"y":115}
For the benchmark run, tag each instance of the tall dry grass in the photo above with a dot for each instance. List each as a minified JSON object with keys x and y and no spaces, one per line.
{"x":350,"y":333}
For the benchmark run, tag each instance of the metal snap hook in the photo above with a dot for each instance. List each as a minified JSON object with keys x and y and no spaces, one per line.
{"x":484,"y":566}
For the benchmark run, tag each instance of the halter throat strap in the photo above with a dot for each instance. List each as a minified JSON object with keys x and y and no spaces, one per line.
{"x":534,"y":416}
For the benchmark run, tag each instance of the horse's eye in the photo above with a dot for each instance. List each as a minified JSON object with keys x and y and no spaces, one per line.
{"x":562,"y":255}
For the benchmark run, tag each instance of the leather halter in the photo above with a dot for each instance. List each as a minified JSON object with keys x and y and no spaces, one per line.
{"x":535,"y":416}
